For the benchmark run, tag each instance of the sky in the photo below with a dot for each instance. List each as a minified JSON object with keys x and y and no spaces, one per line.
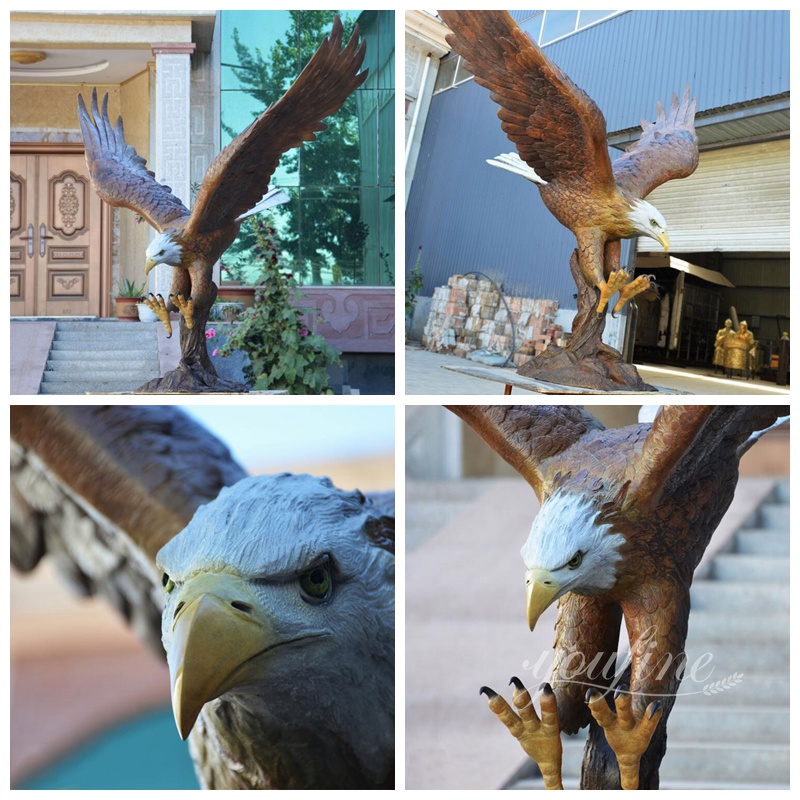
{"x":278,"y":436}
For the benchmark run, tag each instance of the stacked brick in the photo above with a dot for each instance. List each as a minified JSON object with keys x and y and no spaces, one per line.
{"x":468,"y":314}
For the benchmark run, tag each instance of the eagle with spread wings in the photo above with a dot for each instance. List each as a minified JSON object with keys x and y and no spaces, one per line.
{"x":626,"y":515}
{"x":237,"y":179}
{"x":560,"y":136}
{"x":273,"y":595}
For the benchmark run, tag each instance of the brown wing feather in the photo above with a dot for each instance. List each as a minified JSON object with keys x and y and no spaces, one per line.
{"x":557,"y":128}
{"x":119,"y":175}
{"x":239,"y":176}
{"x":101,"y":489}
{"x":667,"y":149}
{"x":528,"y":436}
{"x":687,"y":441}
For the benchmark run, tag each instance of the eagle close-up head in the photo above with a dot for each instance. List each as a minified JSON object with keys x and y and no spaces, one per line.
{"x":647,"y":220}
{"x":278,"y":634}
{"x":163,"y":250}
{"x":569,"y":549}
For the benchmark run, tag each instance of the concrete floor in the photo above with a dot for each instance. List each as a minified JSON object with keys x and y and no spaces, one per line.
{"x":425,"y":375}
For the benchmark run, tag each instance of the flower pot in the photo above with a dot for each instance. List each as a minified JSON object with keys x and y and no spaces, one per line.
{"x":146,"y":314}
{"x":126,"y":308}
{"x":233,"y":293}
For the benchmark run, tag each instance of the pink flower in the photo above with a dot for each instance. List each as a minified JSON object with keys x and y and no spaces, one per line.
{"x":214,"y":351}
{"x":211,"y":333}
{"x":304,"y":331}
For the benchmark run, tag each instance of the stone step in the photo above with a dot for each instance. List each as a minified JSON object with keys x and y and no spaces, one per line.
{"x":88,"y":340}
{"x":732,"y":597}
{"x":99,"y":366}
{"x":734,"y":657}
{"x":464,"y":489}
{"x":120,"y":356}
{"x":753,"y":628}
{"x":537,"y":784}
{"x":782,"y":492}
{"x":763,"y":542}
{"x":750,"y":568}
{"x":97,"y":375}
{"x":774,"y":515}
{"x":89,"y":387}
{"x":756,"y":689}
{"x":728,"y":723}
{"x":730,"y":762}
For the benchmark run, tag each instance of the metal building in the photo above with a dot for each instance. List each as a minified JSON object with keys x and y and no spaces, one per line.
{"x":729,"y":222}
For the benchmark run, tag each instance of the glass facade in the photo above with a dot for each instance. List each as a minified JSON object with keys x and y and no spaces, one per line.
{"x":338,"y":227}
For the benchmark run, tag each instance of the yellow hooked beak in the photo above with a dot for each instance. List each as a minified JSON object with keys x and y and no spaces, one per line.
{"x":218,"y":629}
{"x":663,"y":240}
{"x":148,"y":265}
{"x":541,"y":589}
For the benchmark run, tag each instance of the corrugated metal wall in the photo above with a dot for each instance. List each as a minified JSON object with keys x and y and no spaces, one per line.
{"x":738,"y":199}
{"x":467,"y":215}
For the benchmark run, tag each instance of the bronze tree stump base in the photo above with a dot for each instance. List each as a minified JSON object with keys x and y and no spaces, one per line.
{"x":604,"y":371}
{"x":186,"y":379}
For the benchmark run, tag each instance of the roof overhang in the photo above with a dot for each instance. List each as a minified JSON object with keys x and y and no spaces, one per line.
{"x":741,"y":123}
{"x":664,"y":261}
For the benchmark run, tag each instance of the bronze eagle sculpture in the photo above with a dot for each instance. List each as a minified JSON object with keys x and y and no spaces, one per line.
{"x":625,"y":517}
{"x":560,"y":136}
{"x":193,"y":241}
{"x":273,"y":596}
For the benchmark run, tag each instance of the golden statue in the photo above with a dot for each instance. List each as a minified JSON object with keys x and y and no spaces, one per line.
{"x":719,"y":349}
{"x":739,"y":349}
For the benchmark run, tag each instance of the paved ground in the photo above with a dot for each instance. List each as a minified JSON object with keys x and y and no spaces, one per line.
{"x":425,"y":375}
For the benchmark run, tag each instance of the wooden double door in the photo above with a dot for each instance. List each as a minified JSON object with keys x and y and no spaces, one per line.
{"x":58,"y":237}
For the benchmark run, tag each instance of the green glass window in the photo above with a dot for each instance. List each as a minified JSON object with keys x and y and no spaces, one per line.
{"x":338,"y":227}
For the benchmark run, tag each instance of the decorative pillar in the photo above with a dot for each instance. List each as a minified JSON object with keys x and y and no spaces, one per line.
{"x":172,"y":131}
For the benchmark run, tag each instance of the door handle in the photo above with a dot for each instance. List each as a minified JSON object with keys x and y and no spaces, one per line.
{"x":43,"y":235}
{"x":29,"y":239}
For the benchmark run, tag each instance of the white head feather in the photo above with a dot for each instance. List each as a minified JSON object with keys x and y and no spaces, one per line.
{"x":566,"y":525}
{"x":649,"y":221}
{"x":164,"y":250}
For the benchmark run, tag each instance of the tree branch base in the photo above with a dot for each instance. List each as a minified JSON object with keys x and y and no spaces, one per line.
{"x":191,"y":379}
{"x":603,"y":371}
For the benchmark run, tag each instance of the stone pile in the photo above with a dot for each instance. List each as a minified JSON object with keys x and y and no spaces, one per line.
{"x":468,"y":314}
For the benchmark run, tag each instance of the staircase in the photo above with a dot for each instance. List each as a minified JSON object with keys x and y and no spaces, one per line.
{"x":103,"y":355}
{"x":737,"y":738}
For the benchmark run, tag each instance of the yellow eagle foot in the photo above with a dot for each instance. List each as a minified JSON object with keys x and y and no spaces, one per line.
{"x":186,"y":307}
{"x":157,"y":305}
{"x":627,"y":736}
{"x":539,"y":738}
{"x":616,"y":280}
{"x":636,"y":286}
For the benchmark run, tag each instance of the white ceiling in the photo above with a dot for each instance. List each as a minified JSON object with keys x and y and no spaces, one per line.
{"x":73,"y":66}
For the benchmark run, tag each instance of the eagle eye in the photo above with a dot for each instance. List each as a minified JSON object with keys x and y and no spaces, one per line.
{"x":316,"y":584}
{"x":167,"y":583}
{"x":653,"y":223}
{"x":575,"y":561}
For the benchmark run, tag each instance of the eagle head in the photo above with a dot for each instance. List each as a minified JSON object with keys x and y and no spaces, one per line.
{"x":568,"y":550}
{"x":647,"y":220}
{"x":164,"y":249}
{"x":278,"y":627}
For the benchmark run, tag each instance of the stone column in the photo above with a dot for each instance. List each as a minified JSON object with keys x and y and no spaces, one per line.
{"x":170,"y":162}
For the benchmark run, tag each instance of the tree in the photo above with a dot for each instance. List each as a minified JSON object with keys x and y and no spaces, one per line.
{"x":322,"y":226}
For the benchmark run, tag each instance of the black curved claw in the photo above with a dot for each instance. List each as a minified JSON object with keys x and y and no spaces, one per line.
{"x":590,"y":693}
{"x":490,"y":693}
{"x":518,"y":684}
{"x":620,"y":690}
{"x":546,"y":688}
{"x":655,"y":709}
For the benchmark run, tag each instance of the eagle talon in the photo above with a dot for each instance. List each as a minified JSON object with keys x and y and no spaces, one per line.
{"x":186,"y":307}
{"x":627,"y":736}
{"x":157,"y":305}
{"x":636,"y":286}
{"x":616,"y":280}
{"x":539,"y":738}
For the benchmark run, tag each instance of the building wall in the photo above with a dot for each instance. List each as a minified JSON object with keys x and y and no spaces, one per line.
{"x":467,"y":215}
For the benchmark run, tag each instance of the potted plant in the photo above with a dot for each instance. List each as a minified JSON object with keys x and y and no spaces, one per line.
{"x":126,"y":297}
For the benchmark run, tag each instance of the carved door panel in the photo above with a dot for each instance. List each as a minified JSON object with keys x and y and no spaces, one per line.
{"x":55,"y":253}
